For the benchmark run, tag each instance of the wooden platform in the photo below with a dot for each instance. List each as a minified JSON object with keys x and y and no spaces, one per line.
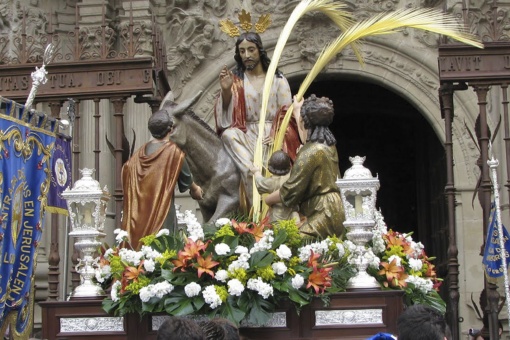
{"x":351,"y":315}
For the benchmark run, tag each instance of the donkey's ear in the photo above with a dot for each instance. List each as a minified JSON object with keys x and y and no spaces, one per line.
{"x":169,"y":98}
{"x":185,"y":105}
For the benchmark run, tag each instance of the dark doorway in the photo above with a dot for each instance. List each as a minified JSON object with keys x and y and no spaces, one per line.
{"x":401,"y":148}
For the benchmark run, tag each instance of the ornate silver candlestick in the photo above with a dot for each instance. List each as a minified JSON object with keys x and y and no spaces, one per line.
{"x":86,"y":203}
{"x":358,"y":190}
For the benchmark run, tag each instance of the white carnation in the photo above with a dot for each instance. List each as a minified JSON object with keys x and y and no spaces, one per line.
{"x":145,"y":294}
{"x":115,"y":291}
{"x":265,"y":243}
{"x":235,"y":287}
{"x":415,"y":264}
{"x":341,"y":250}
{"x":264,"y":289}
{"x":423,"y":285}
{"x":221,"y":275}
{"x":158,"y":290}
{"x":279,"y":268}
{"x":297,"y":281}
{"x":108,"y":253}
{"x":130,"y":256}
{"x":284,"y":252}
{"x":304,"y":253}
{"x":122,"y":235}
{"x":162,"y":232}
{"x":241,"y":250}
{"x":192,"y":289}
{"x":211,"y":297}
{"x":222,"y":249}
{"x":149,"y":265}
{"x":221,"y":222}
{"x":150,"y":253}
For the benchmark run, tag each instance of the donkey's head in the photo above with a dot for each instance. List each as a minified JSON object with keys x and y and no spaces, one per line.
{"x":176,"y":112}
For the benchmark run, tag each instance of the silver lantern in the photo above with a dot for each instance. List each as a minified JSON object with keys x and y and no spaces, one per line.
{"x":358,"y":190}
{"x":86,"y":203}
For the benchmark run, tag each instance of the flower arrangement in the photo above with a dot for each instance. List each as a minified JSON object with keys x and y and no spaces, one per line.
{"x":403,"y":264}
{"x":243,"y":270}
{"x":237,"y":270}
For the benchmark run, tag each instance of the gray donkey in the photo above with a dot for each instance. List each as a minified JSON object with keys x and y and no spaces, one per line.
{"x":211,"y":166}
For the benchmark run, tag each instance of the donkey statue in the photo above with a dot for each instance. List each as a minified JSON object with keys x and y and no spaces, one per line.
{"x":211,"y":166}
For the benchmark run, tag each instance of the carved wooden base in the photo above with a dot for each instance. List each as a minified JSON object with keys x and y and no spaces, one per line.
{"x":350,"y":315}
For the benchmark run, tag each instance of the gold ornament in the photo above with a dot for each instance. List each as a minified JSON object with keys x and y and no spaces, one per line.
{"x":245,"y":23}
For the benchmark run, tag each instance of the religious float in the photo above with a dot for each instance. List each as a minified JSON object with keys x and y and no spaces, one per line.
{"x":264,"y":277}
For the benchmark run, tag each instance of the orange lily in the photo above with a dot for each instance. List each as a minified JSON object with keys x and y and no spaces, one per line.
{"x":181,"y":263}
{"x":313,"y":259}
{"x":431,"y":271}
{"x":391,"y":270}
{"x":394,"y":239}
{"x":319,"y":279}
{"x":258,"y":229}
{"x":131,"y":274}
{"x":400,"y":281}
{"x":205,"y":265}
{"x":192,"y":249}
{"x":241,"y":227}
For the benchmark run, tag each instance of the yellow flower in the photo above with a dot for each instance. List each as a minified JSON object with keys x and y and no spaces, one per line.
{"x":266,"y":273}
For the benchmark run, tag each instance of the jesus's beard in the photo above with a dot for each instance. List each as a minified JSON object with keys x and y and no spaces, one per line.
{"x":253,"y":63}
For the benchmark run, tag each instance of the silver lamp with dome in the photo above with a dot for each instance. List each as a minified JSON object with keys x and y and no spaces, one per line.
{"x":358,"y":189}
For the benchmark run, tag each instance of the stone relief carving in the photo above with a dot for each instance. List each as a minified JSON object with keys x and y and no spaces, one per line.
{"x":5,"y":16}
{"x":315,"y":32}
{"x":191,"y":32}
{"x":15,"y":19}
{"x":140,"y":36}
{"x":480,"y":19}
{"x":279,"y":10}
{"x":97,"y":42}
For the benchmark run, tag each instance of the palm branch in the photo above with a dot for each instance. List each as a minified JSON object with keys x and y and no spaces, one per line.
{"x":336,"y":12}
{"x":385,"y":23}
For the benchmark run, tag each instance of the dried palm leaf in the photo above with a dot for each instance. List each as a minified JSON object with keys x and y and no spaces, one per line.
{"x":427,"y":19}
{"x":336,"y":12}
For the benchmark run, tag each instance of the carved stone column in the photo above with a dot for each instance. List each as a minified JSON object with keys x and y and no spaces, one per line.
{"x":446,"y":92}
{"x":118,"y":104}
{"x":484,"y":196}
{"x":54,"y":256}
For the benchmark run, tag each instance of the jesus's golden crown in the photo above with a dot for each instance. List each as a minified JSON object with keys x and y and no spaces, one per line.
{"x":245,"y":24}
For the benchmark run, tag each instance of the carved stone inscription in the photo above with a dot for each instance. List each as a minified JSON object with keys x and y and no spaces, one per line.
{"x":471,"y":64}
{"x":82,"y":82}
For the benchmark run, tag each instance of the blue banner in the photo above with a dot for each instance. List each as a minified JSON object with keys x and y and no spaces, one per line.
{"x":60,"y":175}
{"x":25,"y":161}
{"x":493,"y":254}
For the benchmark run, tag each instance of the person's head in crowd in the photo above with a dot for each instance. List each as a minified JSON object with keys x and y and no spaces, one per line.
{"x":382,"y":336}
{"x":176,"y":328}
{"x":219,"y":329}
{"x":420,"y":322}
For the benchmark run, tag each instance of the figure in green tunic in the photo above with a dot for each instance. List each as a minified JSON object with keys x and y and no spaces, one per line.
{"x":312,"y":182}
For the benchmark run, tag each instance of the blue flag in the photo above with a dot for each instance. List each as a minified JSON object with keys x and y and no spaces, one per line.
{"x":493,"y":254}
{"x":25,"y":160}
{"x":60,"y":175}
